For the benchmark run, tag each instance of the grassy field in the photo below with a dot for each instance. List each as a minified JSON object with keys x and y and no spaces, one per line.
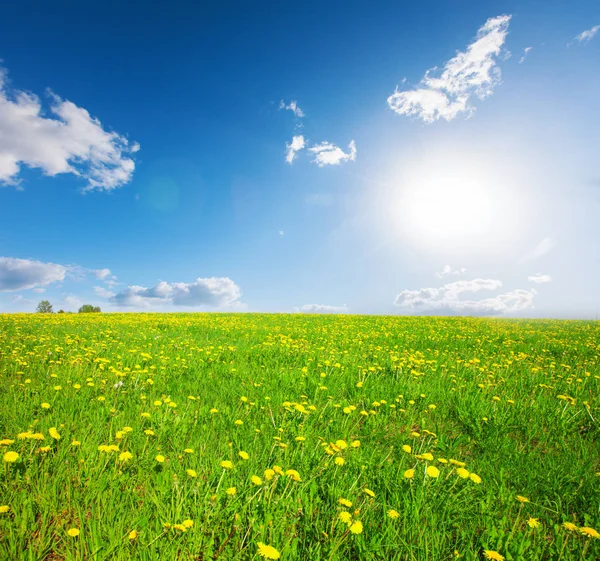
{"x":235,"y":437}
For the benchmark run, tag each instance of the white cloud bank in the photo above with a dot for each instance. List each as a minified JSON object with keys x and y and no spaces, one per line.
{"x":472,"y":72}
{"x":211,"y":292}
{"x":328,"y":154}
{"x":293,"y":148}
{"x":323,"y":309}
{"x":448,"y":271}
{"x":21,"y":274}
{"x":539,"y":278}
{"x":71,"y":141}
{"x":448,"y":297}
{"x":587,"y":35}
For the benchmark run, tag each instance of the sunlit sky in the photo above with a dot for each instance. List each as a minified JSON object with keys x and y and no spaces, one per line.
{"x":346,"y":157}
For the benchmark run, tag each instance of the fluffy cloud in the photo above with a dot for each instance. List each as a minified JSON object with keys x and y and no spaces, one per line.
{"x":20,"y":274}
{"x":103,"y":292}
{"x":525,"y":53}
{"x":292,"y":148}
{"x":448,"y":297}
{"x":293,"y":107}
{"x":323,"y":309}
{"x":101,"y":273}
{"x":328,"y":154}
{"x":71,"y":141}
{"x":541,"y":249}
{"x":588,"y":34}
{"x":539,"y":278}
{"x":473,"y":72}
{"x":450,"y":272}
{"x":212,"y":292}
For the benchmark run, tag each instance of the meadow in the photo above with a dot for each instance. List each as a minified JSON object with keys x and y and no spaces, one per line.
{"x":298,"y":437}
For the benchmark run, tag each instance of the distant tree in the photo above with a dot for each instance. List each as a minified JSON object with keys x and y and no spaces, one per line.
{"x":89,"y":309}
{"x":61,"y":311}
{"x":44,"y":307}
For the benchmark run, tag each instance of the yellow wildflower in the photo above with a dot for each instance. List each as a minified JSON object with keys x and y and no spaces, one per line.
{"x":73,"y":532}
{"x":11,"y":457}
{"x":432,"y":471}
{"x":267,"y":551}
{"x":356,"y":527}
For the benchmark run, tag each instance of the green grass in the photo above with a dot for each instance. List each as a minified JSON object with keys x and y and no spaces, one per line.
{"x":516,"y":401}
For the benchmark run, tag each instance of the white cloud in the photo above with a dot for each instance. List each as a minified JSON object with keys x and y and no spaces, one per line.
{"x":323,"y":309}
{"x":587,"y":35}
{"x":328,"y":154}
{"x":292,"y":148}
{"x":101,"y":273}
{"x":450,"y":272}
{"x":539,"y":278}
{"x":39,"y":290}
{"x":211,"y":292}
{"x":72,"y":301}
{"x":541,"y":249}
{"x":293,"y":107}
{"x":448,"y":297}
{"x":281,"y":232}
{"x":103,"y":292}
{"x":19,"y":274}
{"x":525,"y":53}
{"x":473,"y":72}
{"x":71,"y":141}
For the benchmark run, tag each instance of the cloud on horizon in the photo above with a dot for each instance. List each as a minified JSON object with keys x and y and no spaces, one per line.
{"x":211,"y":292}
{"x":472,"y":72}
{"x":323,"y":309}
{"x":449,"y":298}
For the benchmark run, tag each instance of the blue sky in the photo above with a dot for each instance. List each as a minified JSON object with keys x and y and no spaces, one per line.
{"x":352,"y":157}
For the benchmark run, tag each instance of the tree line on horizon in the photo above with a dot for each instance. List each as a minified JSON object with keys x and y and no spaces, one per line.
{"x":45,"y":307}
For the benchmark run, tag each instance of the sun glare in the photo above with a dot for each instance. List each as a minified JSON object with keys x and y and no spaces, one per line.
{"x":454,"y":204}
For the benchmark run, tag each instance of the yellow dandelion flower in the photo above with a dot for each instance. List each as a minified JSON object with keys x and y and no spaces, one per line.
{"x":189,"y":450}
{"x":344,"y":502}
{"x":54,"y":433}
{"x":406,"y":448}
{"x":45,"y":449}
{"x":493,"y":555}
{"x":244,"y":455}
{"x":356,"y":527}
{"x":180,"y":527}
{"x":239,"y":422}
{"x":160,"y":458}
{"x":570,"y":526}
{"x":345,"y":517}
{"x":533,"y":522}
{"x":586,"y":530}
{"x":226,"y":464}
{"x":339,"y":461}
{"x":293,"y":474}
{"x":475,"y":478}
{"x":188,"y":523}
{"x":133,"y":535}
{"x":462,"y":473}
{"x":457,"y":463}
{"x":231,"y":491}
{"x":369,"y":492}
{"x":267,"y":551}
{"x":278,"y":470}
{"x":409,"y":473}
{"x":427,"y":456}
{"x":75,"y":443}
{"x":4,"y":509}
{"x":125,"y":456}
{"x":191,"y":473}
{"x":393,"y":514}
{"x":213,"y":411}
{"x":256,"y":480}
{"x":269,"y":473}
{"x":522,"y":499}
{"x":46,"y":406}
{"x":6,"y":442}
{"x":11,"y":457}
{"x":73,"y":532}
{"x":432,"y":471}
{"x":149,"y":432}
{"x":300,"y":438}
